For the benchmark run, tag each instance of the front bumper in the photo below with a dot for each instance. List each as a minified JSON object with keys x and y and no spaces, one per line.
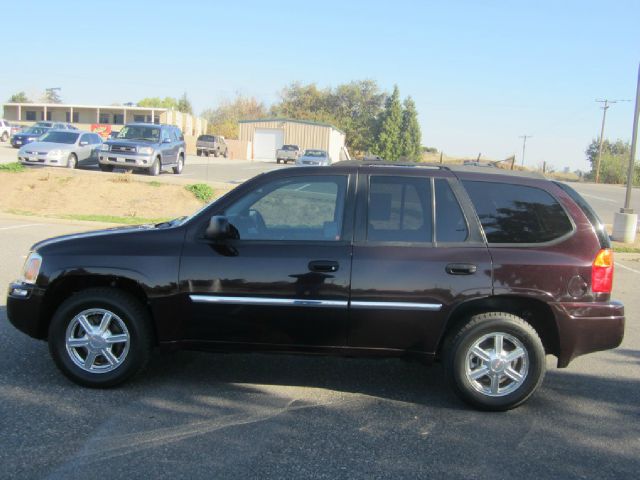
{"x":41,"y":159}
{"x":21,"y":142}
{"x":587,"y":327}
{"x":25,"y":307}
{"x":126,"y":159}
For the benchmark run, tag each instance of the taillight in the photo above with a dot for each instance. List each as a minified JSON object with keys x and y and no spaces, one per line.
{"x":602,"y":272}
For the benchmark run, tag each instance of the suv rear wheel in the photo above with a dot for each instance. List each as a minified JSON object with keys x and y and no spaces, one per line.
{"x":178,"y":168}
{"x":100,"y":337}
{"x":495,"y":362}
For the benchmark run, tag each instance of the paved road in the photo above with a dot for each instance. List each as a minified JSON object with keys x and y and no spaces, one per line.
{"x":607,"y":199}
{"x":197,"y":415}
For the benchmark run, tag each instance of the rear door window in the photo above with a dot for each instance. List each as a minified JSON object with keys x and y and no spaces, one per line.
{"x":451,"y":225}
{"x":399,"y":210}
{"x":516,"y":213}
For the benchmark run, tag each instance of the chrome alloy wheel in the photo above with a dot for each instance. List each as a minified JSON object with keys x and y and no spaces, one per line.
{"x":497,"y":364}
{"x":97,"y":340}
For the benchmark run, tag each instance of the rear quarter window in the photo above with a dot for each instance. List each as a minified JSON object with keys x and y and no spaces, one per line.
{"x":517,"y":213}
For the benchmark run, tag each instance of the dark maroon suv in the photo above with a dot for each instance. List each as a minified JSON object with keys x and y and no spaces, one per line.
{"x":480,"y":268}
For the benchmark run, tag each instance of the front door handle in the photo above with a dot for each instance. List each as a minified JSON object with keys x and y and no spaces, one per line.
{"x":461,"y":269}
{"x":323,"y":266}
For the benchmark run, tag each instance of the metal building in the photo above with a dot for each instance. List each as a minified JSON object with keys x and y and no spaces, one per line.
{"x":268,"y":135}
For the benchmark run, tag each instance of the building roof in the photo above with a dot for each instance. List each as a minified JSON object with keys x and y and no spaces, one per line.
{"x":292,"y":120}
{"x":68,"y":105}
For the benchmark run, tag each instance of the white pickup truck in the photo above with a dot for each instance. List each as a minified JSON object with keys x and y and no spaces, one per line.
{"x":288,"y":153}
{"x":5,"y":130}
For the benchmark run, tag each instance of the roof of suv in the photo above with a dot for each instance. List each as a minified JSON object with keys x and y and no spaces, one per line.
{"x":434,"y":166}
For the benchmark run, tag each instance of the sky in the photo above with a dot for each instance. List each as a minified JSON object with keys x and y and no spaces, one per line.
{"x":482,"y":73}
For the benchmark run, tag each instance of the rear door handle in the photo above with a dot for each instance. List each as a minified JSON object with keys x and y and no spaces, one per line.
{"x":324,"y":266}
{"x":461,"y":269}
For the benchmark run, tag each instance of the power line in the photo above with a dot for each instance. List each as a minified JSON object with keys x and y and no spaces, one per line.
{"x":524,"y":145}
{"x":605,"y":107}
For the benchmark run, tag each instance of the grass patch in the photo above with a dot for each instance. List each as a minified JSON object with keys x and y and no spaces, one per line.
{"x":112,"y":219}
{"x":625,"y":249}
{"x":131,"y":220}
{"x":155,"y":183}
{"x":13,"y":167}
{"x":202,"y":191}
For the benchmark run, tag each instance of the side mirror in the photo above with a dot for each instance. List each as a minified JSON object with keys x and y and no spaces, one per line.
{"x":219,"y":228}
{"x":166,"y":140}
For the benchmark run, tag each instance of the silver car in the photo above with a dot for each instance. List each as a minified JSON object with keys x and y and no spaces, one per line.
{"x":62,"y":148}
{"x":314,"y":157}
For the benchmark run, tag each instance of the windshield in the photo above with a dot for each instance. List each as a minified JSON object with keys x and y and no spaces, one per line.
{"x":315,"y":153}
{"x":35,"y":130}
{"x":60,"y":137}
{"x":137,"y":132}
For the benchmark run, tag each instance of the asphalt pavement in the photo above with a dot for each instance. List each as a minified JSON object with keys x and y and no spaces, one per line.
{"x":200,"y":415}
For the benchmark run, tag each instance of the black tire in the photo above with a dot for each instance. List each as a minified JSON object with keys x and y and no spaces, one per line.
{"x":178,"y":168}
{"x":226,"y":153}
{"x":278,"y":160}
{"x":216,"y":153}
{"x":458,"y":360}
{"x":4,"y":137}
{"x":206,"y":153}
{"x":154,"y":169}
{"x":125,"y":308}
{"x":72,"y":161}
{"x":199,"y":153}
{"x":105,"y":168}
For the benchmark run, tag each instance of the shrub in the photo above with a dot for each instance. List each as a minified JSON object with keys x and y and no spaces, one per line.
{"x":202,"y":191}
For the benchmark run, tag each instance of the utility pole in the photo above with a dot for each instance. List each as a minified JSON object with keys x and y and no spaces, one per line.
{"x":524,"y":145}
{"x":605,"y":107}
{"x":625,"y":222}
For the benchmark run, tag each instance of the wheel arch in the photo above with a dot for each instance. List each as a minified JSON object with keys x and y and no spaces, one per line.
{"x":535,"y":312}
{"x":67,"y":285}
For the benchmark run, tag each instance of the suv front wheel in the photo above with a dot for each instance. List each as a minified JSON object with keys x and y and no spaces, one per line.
{"x":100,"y":337}
{"x":495,"y":362}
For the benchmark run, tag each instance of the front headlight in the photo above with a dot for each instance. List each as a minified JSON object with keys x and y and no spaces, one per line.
{"x":31,"y":268}
{"x":55,"y":154}
{"x":145,"y":150}
{"x":104,"y":147}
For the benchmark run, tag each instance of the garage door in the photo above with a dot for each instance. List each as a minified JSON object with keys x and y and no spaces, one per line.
{"x":265,"y":143}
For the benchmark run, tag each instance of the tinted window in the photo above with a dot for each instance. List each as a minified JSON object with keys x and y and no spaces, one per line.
{"x":301,"y":208}
{"x":517,"y":214}
{"x":399,"y":209}
{"x":451,"y":225}
{"x":86,"y":138}
{"x":60,"y":137}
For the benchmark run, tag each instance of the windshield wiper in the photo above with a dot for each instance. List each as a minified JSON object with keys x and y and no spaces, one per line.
{"x":170,"y":223}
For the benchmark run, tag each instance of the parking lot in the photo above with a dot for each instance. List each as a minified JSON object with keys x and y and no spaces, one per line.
{"x":257,"y":416}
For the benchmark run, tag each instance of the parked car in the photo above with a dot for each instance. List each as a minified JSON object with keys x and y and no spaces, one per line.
{"x":16,"y":128}
{"x":313,"y":157}
{"x":481,"y":269}
{"x":29,"y":135}
{"x":62,"y":148}
{"x":56,"y":125}
{"x":5,"y":130}
{"x":288,"y":153}
{"x":212,"y":145}
{"x":145,"y":146}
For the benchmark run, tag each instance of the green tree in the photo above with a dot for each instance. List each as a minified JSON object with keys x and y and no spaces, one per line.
{"x":304,"y":102}
{"x":615,"y":161}
{"x":157,"y":102}
{"x":19,"y":97}
{"x":223,"y":120}
{"x":357,"y":107}
{"x":389,"y":145}
{"x":411,"y":134}
{"x":51,"y":95}
{"x":184,"y":105}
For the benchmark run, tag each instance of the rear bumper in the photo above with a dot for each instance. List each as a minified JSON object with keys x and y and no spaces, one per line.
{"x":24,"y":309}
{"x":587,"y":327}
